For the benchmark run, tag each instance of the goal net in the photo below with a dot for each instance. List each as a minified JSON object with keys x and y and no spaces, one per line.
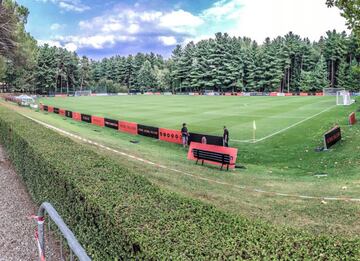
{"x":332,"y":91}
{"x":343,"y":98}
{"x":83,"y":93}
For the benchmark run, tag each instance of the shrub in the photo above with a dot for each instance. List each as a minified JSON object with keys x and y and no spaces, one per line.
{"x":117,"y":214}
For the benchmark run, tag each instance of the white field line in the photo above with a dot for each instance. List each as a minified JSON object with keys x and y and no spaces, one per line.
{"x":65,"y":133}
{"x":285,"y":129}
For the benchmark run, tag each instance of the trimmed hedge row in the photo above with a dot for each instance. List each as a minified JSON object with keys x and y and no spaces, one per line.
{"x":118,"y":215}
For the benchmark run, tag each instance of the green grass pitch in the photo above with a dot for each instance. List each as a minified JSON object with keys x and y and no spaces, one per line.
{"x":204,"y":114}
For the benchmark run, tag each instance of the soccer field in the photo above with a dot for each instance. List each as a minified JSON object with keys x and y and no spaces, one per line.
{"x":204,"y":114}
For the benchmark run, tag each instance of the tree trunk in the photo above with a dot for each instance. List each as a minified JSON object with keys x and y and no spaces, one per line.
{"x":82,"y":82}
{"x":288,"y":80}
{"x":332,"y":73}
{"x":67,"y":86}
{"x":60,"y":84}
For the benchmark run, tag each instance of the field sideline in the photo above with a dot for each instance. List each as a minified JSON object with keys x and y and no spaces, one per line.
{"x":204,"y":114}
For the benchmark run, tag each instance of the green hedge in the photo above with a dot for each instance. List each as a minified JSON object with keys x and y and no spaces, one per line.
{"x":117,"y":214}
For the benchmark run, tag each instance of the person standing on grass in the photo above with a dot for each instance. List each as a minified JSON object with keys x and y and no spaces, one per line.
{"x":185,"y":135}
{"x":226,"y":137}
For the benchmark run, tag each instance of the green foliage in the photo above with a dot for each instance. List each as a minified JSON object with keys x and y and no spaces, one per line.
{"x":351,"y":11}
{"x":117,"y":214}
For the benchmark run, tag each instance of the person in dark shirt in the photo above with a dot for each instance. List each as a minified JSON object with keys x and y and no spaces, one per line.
{"x":226,"y":137}
{"x":184,"y":135}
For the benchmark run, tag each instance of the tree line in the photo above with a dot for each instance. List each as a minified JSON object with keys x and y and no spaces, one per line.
{"x":287,"y":63}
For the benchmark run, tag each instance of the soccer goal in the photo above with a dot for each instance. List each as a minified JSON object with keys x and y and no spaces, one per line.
{"x":343,"y":98}
{"x":332,"y":91}
{"x":83,"y":93}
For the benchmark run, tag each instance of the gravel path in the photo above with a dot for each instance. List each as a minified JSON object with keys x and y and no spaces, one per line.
{"x":16,"y":229}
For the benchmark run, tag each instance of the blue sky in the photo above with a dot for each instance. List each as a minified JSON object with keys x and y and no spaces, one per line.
{"x":100,"y":29}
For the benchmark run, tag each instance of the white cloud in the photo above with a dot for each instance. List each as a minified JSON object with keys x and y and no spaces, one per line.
{"x":259,"y":19}
{"x":49,"y":42}
{"x":168,"y":40}
{"x":76,"y":7}
{"x":112,"y":27}
{"x":133,"y":28}
{"x":56,"y":26}
{"x":68,"y":5}
{"x":72,"y":47}
{"x":180,"y":21}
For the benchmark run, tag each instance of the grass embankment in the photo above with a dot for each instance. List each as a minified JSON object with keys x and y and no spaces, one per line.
{"x":118,"y":214}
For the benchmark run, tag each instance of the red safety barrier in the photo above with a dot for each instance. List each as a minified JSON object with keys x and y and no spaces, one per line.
{"x":228,"y":94}
{"x":304,"y":94}
{"x":273,"y":94}
{"x":50,"y":109}
{"x":352,"y":118}
{"x":239,"y":94}
{"x":213,"y":148}
{"x":62,"y":112}
{"x":173,"y":136}
{"x":99,"y":121}
{"x":288,"y":94}
{"x":319,"y":94}
{"x":157,"y":93}
{"x":129,"y":127}
{"x":76,"y":116}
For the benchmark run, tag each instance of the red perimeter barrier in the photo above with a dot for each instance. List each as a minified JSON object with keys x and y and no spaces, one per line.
{"x":304,"y":94}
{"x":99,"y":121}
{"x":273,"y":93}
{"x":319,"y":94}
{"x":50,"y":109}
{"x":228,"y":93}
{"x":76,"y":116}
{"x":129,"y":127}
{"x":173,"y":136}
{"x":62,"y":112}
{"x":288,"y":94}
{"x":225,"y":150}
{"x":352,"y":118}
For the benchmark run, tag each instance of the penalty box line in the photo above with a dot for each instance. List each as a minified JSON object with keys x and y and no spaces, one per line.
{"x":241,"y":187}
{"x":285,"y":129}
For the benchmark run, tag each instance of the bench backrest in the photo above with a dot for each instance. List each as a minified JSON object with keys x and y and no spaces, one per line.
{"x":212,"y":156}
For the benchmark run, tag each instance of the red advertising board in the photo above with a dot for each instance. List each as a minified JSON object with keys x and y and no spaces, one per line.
{"x":76,"y":116}
{"x":352,"y":118}
{"x":319,"y":94}
{"x":62,"y":112}
{"x":273,"y":94}
{"x":173,"y":136}
{"x":129,"y":127}
{"x":304,"y":94}
{"x":288,"y":94}
{"x":99,"y":121}
{"x":213,"y":148}
{"x":228,"y":93}
{"x":50,"y":109}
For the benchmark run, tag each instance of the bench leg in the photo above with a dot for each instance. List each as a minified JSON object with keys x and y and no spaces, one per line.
{"x":202,"y":162}
{"x":222,"y":165}
{"x":227,"y":167}
{"x":197,"y":161}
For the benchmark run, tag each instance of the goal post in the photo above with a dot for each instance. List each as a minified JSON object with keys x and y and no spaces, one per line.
{"x":83,"y":93}
{"x":343,"y":98}
{"x":332,"y":91}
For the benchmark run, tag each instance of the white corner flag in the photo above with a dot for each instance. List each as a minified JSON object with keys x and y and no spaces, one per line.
{"x":254,"y":130}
